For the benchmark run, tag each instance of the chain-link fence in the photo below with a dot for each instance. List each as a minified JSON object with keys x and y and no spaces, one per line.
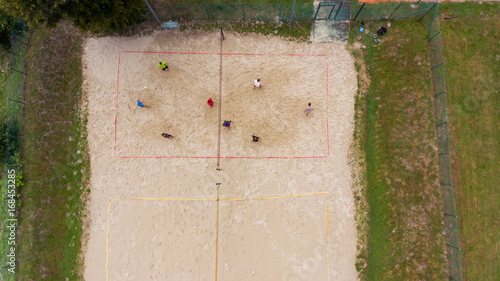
{"x":13,"y":173}
{"x":163,"y":11}
{"x":389,"y":11}
{"x":431,"y":20}
{"x":332,"y":10}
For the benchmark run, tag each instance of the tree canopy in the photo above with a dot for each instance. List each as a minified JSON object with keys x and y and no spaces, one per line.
{"x":5,"y":30}
{"x":93,"y":15}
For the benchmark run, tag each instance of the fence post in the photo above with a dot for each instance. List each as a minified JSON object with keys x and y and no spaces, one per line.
{"x":206,"y":10}
{"x":331,"y":11}
{"x":317,"y":11}
{"x":166,"y":4}
{"x":293,"y":11}
{"x":394,"y":11}
{"x":18,"y":40}
{"x":17,"y":71}
{"x":16,"y":101}
{"x":432,"y":68}
{"x":432,"y":19}
{"x":340,"y":7}
{"x":151,"y":9}
{"x":430,"y":39}
{"x":243,"y":6}
{"x":428,"y":11}
{"x":359,"y":11}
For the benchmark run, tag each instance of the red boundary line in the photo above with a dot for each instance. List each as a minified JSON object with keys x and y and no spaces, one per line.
{"x":223,"y":157}
{"x":225,"y":54}
{"x":327,"y":98}
{"x":116,"y":115}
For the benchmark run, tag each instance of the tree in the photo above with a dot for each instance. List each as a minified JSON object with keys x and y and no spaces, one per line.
{"x":93,"y":15}
{"x":6,"y":22}
{"x":106,"y":14}
{"x":35,"y":11}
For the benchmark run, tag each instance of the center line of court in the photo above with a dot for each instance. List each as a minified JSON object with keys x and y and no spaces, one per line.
{"x":220,"y":102}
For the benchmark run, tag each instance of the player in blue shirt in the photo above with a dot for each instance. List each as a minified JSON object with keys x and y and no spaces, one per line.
{"x":140,"y":104}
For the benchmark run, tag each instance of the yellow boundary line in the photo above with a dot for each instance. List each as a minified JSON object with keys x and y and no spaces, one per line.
{"x":217,"y":237}
{"x":326,"y":239}
{"x":107,"y":244}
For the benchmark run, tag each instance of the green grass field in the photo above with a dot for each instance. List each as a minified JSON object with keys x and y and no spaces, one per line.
{"x":56,"y":165}
{"x":395,"y":129}
{"x":472,"y":52}
{"x":388,"y":136}
{"x":213,"y":11}
{"x":4,"y":77}
{"x":4,"y":61}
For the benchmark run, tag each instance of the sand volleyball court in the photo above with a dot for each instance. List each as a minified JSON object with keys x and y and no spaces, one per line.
{"x":210,"y":204}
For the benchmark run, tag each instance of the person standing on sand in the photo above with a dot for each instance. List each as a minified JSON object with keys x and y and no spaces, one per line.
{"x":210,"y":102}
{"x":309,"y":109}
{"x":163,"y":65}
{"x":256,"y":84}
{"x":140,"y":104}
{"x":255,"y":138}
{"x":227,"y":123}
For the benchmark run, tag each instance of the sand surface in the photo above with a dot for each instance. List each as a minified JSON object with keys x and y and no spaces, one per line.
{"x":253,"y":233}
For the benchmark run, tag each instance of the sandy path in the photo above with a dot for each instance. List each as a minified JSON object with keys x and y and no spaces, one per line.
{"x":272,"y":239}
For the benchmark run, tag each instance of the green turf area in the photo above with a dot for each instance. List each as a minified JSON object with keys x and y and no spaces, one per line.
{"x":472,"y":53}
{"x":56,"y":166}
{"x":4,"y":61}
{"x":230,"y":11}
{"x":395,"y":129}
{"x":300,"y":31}
{"x":4,"y":77}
